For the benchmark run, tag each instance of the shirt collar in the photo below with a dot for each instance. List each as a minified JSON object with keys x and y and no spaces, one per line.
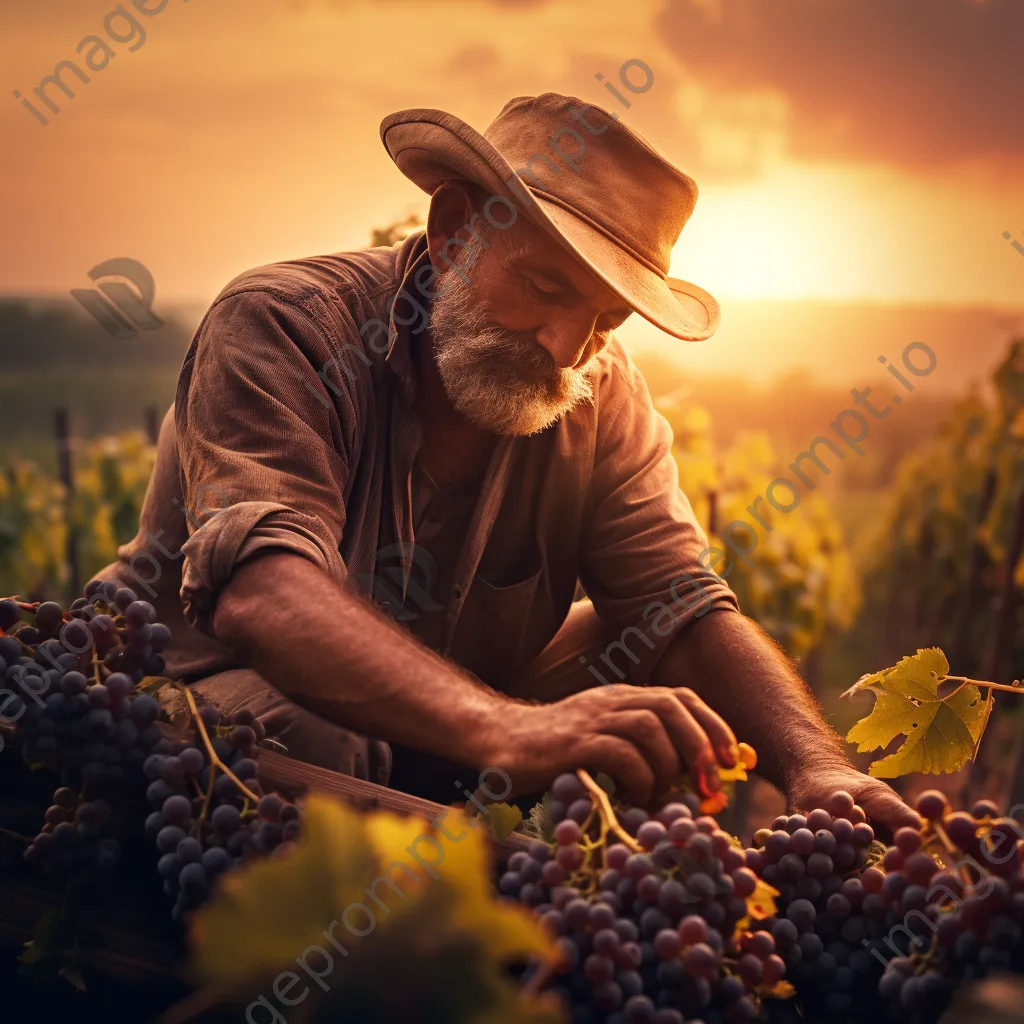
{"x":409,"y":312}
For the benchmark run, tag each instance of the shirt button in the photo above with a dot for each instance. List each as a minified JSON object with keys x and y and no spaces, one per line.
{"x":458,"y":593}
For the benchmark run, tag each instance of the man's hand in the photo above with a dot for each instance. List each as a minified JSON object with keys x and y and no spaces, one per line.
{"x":729,"y":660}
{"x":881,"y":803}
{"x":644,"y":737}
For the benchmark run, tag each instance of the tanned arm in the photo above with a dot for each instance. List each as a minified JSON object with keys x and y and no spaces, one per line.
{"x":728,"y":660}
{"x":329,"y":651}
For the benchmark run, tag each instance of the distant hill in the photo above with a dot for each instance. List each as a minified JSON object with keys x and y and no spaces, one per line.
{"x":44,"y":333}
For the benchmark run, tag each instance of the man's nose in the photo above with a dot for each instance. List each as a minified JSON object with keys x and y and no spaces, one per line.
{"x":566,"y":340}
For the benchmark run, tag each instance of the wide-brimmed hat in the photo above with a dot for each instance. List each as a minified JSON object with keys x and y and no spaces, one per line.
{"x":594,"y":185}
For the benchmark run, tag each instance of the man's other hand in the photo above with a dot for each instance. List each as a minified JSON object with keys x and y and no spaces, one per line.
{"x":881,"y":803}
{"x":643,"y":737}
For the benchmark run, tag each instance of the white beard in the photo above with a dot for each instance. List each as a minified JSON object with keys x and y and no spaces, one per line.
{"x":482,"y":369}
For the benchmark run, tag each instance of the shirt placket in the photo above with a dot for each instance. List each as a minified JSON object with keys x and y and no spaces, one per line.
{"x":492,"y":494}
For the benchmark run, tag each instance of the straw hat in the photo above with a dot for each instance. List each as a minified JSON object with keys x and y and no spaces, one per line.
{"x":594,"y":185}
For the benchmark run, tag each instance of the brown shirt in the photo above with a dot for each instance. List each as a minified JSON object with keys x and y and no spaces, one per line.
{"x":294,"y":429}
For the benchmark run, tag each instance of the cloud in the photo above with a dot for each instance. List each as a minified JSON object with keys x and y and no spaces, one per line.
{"x":914,"y":82}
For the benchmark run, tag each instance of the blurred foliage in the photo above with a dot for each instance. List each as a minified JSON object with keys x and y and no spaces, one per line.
{"x":438,"y":921}
{"x":799,"y":583}
{"x":110,"y":476}
{"x":397,"y":231}
{"x":33,"y":531}
{"x":938,"y":547}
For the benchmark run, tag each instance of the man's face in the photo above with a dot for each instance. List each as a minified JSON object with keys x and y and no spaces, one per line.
{"x":514,"y":331}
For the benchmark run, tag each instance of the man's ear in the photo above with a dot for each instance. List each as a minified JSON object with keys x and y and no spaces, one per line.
{"x":453,"y":238}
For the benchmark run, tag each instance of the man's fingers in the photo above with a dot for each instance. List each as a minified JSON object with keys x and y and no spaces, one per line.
{"x":622,"y":761}
{"x":722,"y":738}
{"x":644,"y":729}
{"x":687,"y":734}
{"x":885,"y":807}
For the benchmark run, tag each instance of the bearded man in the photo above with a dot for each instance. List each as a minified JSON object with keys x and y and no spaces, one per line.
{"x":447,"y":433}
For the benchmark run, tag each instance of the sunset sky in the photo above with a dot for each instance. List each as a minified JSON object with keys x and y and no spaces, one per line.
{"x":844,"y":150}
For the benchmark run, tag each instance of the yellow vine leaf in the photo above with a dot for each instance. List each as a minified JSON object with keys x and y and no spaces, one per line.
{"x":388,"y":890}
{"x":504,"y":819}
{"x":761,"y":902}
{"x":941,"y":732}
{"x":715,"y":804}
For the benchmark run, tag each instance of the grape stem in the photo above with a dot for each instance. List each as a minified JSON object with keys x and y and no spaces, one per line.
{"x":608,"y":820}
{"x":207,"y":798}
{"x":15,"y":835}
{"x":211,"y":753}
{"x":952,"y":852}
{"x":967,"y":681}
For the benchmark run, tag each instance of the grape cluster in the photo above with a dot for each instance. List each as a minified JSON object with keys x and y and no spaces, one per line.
{"x":75,"y":713}
{"x":76,"y":710}
{"x":72,"y":835}
{"x":647,"y":930}
{"x":817,"y":862}
{"x":203,"y":822}
{"x":955,"y":922}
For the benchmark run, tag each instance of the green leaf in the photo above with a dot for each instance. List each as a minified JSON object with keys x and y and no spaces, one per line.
{"x":503,"y":819}
{"x":266,"y":914}
{"x":414,"y":893}
{"x":150,"y":684}
{"x":941,"y":733}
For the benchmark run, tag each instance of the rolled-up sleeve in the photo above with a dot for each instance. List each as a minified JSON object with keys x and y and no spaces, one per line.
{"x":259,"y":439}
{"x":644,"y":561}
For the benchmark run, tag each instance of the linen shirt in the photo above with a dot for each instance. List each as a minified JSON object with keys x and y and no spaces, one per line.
{"x":294,"y":430}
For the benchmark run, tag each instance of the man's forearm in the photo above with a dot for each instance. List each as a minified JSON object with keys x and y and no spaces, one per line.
{"x":328,"y":651}
{"x":742,"y":674}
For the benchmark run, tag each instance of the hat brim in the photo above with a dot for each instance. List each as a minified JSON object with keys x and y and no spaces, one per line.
{"x":431,"y":147}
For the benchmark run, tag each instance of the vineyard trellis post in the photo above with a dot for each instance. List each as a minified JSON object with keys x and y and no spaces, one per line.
{"x":1002,"y":640}
{"x":979,"y":560}
{"x":65,"y":468}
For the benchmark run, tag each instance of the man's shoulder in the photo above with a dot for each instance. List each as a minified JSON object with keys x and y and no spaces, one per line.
{"x":359,"y":279}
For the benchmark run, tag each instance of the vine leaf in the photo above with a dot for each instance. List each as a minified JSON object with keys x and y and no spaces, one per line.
{"x":504,"y":819}
{"x":941,"y":732}
{"x":424,"y":892}
{"x":760,"y":905}
{"x":761,"y":902}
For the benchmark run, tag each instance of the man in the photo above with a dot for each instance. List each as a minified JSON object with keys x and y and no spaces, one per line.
{"x":458,"y":406}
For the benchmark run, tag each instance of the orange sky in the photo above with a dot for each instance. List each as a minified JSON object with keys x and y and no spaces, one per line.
{"x":842,"y":151}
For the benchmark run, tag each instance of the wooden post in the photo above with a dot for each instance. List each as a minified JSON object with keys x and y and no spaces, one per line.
{"x":66,"y":470}
{"x":1002,"y":641}
{"x":972,"y":592}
